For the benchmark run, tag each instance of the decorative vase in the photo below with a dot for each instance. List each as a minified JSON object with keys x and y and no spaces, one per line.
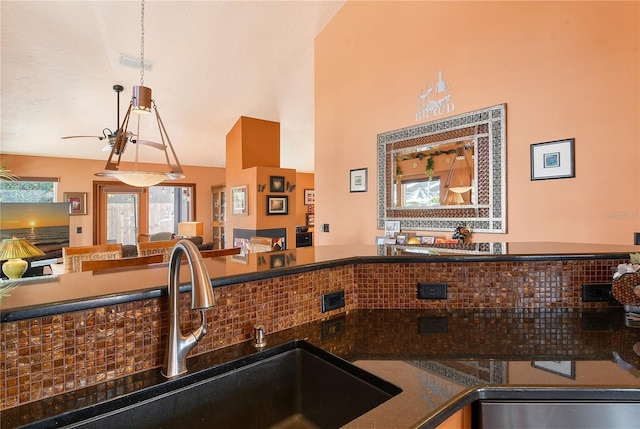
{"x":14,"y":268}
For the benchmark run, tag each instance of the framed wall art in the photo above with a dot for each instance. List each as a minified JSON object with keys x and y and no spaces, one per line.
{"x":276,"y":183}
{"x":277,"y":205}
{"x":239,"y":200}
{"x":309,"y":197}
{"x":358,"y":180}
{"x":553,"y":160}
{"x":77,"y":202}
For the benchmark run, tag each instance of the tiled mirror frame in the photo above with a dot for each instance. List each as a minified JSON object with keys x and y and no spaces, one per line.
{"x":488,"y":129}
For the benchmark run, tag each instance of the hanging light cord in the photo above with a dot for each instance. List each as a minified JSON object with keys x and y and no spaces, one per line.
{"x":142,"y":44}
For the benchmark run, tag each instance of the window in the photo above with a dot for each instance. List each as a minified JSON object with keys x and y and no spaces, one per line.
{"x":124,"y":213}
{"x":168,"y":205}
{"x":421,"y":192}
{"x":29,"y":190}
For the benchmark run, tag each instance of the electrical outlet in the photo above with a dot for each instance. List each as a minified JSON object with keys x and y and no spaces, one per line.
{"x":596,"y":292}
{"x":429,"y":290}
{"x":332,"y":300}
{"x":324,"y":227}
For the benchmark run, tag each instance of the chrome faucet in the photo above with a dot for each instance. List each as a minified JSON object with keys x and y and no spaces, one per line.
{"x":179,"y":345}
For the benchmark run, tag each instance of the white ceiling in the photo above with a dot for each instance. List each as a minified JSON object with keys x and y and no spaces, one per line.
{"x":213,"y":61}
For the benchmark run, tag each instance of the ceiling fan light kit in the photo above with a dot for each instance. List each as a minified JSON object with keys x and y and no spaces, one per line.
{"x":141,"y":103}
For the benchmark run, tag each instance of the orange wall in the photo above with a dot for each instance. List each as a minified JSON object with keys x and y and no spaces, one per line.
{"x":77,"y":175}
{"x":564,"y":69}
{"x":253,"y":155}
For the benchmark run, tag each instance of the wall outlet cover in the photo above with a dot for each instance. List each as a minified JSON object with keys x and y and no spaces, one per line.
{"x":432,"y":290}
{"x":332,"y":300}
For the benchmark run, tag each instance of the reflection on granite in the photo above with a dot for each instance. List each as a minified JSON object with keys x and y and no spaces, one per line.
{"x":433,"y":355}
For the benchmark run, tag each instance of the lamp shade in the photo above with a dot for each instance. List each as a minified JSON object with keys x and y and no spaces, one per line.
{"x":140,"y":179}
{"x":12,"y":250}
{"x":141,"y":100}
{"x":190,"y":229}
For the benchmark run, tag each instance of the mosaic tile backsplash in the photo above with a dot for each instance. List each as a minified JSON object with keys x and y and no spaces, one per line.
{"x":46,"y":356}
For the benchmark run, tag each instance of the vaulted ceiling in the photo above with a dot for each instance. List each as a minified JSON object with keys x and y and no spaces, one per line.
{"x":212,"y":62}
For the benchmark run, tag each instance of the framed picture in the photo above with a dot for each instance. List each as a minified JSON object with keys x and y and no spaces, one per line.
{"x":380,"y":241}
{"x":565,"y":368}
{"x":391,"y":228}
{"x":401,"y":239}
{"x":358,"y":180}
{"x":276,"y":261}
{"x":311,"y":219}
{"x":309,"y":197}
{"x":553,"y":160}
{"x":276,"y":183}
{"x":277,"y":205}
{"x":239,"y":200}
{"x":77,"y":202}
{"x":428,"y":239}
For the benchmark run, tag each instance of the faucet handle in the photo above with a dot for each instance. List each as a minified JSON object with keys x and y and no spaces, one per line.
{"x":260,"y":337}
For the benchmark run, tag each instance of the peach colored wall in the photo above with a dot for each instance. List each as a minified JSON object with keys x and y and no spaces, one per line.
{"x":564,"y":69}
{"x":77,"y":175}
{"x":253,"y":155}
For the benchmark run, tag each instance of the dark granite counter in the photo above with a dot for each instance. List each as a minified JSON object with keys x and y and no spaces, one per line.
{"x":441,"y":359}
{"x":41,"y":296}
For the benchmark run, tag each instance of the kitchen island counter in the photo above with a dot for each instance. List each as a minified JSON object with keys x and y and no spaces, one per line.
{"x":442,"y":360}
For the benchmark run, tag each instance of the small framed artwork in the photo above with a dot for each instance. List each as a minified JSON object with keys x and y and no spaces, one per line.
{"x":311,"y":219}
{"x":428,"y":239}
{"x":77,"y":202}
{"x":401,"y":239}
{"x":309,"y":197}
{"x":553,"y":160}
{"x":358,"y":180}
{"x":391,"y":228}
{"x":276,"y":261}
{"x":380,"y":240}
{"x":277,"y":205}
{"x":276,"y":183}
{"x":565,"y":368}
{"x":239,"y":200}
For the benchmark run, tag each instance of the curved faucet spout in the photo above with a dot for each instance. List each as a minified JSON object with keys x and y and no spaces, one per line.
{"x":179,"y":345}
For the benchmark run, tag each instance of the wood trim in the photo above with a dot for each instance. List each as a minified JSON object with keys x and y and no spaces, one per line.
{"x":119,"y":263}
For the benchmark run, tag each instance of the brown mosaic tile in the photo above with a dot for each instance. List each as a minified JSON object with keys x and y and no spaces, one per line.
{"x":46,"y":356}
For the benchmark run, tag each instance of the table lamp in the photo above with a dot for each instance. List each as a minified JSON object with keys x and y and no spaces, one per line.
{"x":189,"y":229}
{"x":11,"y":251}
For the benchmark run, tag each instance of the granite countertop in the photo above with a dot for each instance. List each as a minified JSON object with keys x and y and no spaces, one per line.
{"x":38,"y":296}
{"x":442,"y":360}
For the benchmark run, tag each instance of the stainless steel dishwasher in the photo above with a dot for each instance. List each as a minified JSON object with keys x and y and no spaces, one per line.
{"x":559,"y":415}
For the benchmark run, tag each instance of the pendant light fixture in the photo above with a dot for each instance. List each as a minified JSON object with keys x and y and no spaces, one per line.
{"x":454,"y":193}
{"x":141,"y":103}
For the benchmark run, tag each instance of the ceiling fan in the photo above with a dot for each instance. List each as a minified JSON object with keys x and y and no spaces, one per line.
{"x":110,"y":135}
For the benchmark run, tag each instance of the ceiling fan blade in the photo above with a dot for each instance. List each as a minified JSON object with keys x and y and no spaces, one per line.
{"x":106,"y":148}
{"x":75,"y":137}
{"x":148,"y":143}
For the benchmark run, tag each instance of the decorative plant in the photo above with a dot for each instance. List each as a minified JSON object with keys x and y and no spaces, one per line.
{"x":430,"y":165}
{"x":5,"y":288}
{"x":5,"y":174}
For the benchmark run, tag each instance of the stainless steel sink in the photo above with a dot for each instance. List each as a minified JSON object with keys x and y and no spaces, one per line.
{"x":292,"y":386}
